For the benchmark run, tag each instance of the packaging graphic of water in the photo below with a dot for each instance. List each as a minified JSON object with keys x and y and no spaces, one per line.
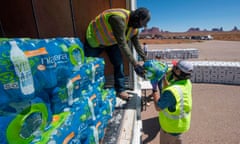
{"x":97,"y":67}
{"x":22,"y":68}
{"x":155,"y":69}
{"x":105,"y":111}
{"x":21,"y":125}
{"x":75,"y":50}
{"x":65,"y":132}
{"x":90,"y":103}
{"x":107,"y":102}
{"x":92,"y":96}
{"x":100,"y":126}
{"x":92,"y":137}
{"x":81,"y":78}
{"x":59,"y":99}
{"x":82,"y":120}
{"x":112,"y":97}
{"x":76,"y":126}
{"x":70,"y":92}
{"x":45,"y":137}
{"x":76,"y":87}
{"x":62,"y":89}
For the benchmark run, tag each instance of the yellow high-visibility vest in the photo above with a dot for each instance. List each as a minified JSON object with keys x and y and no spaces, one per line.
{"x":179,"y":120}
{"x":99,"y":31}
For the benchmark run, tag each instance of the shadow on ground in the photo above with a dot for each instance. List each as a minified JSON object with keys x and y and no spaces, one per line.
{"x":150,"y":129}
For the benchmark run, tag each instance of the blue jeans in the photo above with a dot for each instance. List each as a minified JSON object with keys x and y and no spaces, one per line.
{"x":116,"y":60}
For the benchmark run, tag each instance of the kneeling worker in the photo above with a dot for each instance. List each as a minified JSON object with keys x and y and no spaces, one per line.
{"x":174,"y":103}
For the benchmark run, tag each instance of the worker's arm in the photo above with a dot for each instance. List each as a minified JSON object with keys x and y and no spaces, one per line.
{"x":168,"y":76}
{"x":165,"y":82}
{"x":164,"y":100}
{"x":156,"y":97}
{"x":119,"y":28}
{"x":138,"y":47}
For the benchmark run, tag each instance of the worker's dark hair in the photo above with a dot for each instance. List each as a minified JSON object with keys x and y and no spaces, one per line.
{"x":139,"y":14}
{"x":183,"y":75}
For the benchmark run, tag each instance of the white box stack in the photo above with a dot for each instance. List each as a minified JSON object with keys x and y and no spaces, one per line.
{"x":216,"y":72}
{"x":206,"y":73}
{"x":214,"y":77}
{"x":237,"y":74}
{"x":173,"y":53}
{"x":193,"y":53}
{"x":230,"y":75}
{"x":198,"y":72}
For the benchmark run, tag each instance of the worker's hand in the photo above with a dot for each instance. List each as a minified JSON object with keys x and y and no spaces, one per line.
{"x":156,"y":95}
{"x":139,"y":70}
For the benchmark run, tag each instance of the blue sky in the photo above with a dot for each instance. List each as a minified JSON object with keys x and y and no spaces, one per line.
{"x":180,"y":15}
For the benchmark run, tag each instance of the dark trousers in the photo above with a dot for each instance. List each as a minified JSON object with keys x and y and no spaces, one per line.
{"x":116,"y":60}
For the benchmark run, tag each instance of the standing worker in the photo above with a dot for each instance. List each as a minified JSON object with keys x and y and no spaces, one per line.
{"x":145,"y":48}
{"x":175,"y":103}
{"x":110,"y":31}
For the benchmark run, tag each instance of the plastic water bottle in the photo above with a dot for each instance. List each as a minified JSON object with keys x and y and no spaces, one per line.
{"x":95,"y":134}
{"x":70,"y":92}
{"x":93,"y":72}
{"x":22,"y":68}
{"x":90,"y":104}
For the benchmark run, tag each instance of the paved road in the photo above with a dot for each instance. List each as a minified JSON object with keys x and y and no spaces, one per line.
{"x":215,"y":115}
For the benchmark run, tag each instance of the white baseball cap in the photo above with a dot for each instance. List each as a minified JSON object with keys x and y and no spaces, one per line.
{"x":184,"y":66}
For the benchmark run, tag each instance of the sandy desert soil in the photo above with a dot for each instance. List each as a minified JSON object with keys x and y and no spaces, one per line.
{"x":215,"y":115}
{"x":223,"y":36}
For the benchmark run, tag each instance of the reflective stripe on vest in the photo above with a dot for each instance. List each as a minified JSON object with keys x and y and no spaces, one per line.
{"x":131,"y":32}
{"x":182,"y":113}
{"x":100,"y":28}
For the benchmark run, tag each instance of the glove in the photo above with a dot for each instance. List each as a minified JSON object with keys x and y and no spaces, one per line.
{"x":140,"y":70}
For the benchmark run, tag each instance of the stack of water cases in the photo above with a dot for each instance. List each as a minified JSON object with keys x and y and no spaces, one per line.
{"x":51,"y":93}
{"x":188,"y":53}
{"x":216,"y":72}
